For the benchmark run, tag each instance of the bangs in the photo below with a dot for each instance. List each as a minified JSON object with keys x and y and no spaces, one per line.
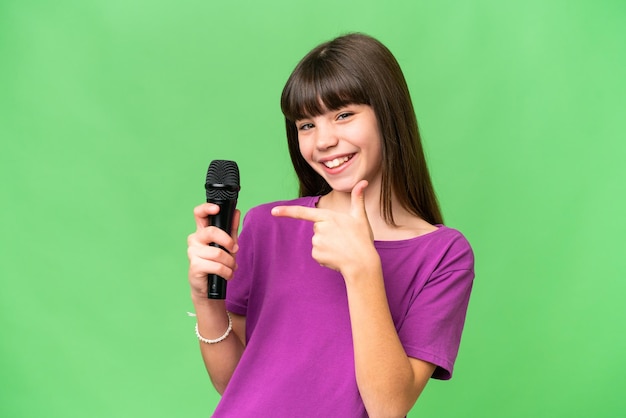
{"x":320,"y":85}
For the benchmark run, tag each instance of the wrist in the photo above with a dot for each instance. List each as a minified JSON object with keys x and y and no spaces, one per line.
{"x":364,"y":271}
{"x":204,"y":305}
{"x":219,"y":339}
{"x":212,"y":319}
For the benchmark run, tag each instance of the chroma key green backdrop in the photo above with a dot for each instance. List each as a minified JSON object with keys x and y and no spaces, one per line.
{"x":110,"y":112}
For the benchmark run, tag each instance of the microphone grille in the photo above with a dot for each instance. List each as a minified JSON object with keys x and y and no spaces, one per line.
{"x":222,"y":180}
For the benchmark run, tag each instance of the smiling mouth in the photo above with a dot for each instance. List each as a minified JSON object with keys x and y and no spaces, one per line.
{"x":338,"y":161}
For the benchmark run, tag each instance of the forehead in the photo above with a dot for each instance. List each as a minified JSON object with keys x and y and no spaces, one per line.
{"x":316,"y":91}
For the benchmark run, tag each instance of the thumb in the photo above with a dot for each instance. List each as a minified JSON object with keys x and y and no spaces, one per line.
{"x":234,"y":232}
{"x":358,"y":200}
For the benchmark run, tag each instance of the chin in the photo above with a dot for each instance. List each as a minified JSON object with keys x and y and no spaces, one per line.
{"x":342,"y":186}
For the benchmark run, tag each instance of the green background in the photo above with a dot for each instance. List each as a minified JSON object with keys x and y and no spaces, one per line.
{"x":111,"y":110}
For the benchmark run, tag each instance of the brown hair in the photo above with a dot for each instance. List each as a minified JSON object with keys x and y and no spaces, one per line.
{"x":358,"y":69}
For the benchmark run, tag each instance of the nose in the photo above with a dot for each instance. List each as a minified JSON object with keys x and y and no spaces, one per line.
{"x":325,"y":137}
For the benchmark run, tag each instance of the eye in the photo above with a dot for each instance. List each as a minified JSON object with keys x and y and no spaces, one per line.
{"x":344,"y":115}
{"x":305,"y":126}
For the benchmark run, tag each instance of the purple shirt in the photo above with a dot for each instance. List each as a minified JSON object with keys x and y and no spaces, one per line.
{"x":299,"y":358}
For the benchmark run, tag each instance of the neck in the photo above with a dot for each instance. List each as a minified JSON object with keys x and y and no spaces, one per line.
{"x":341,"y":202}
{"x":408,"y":225}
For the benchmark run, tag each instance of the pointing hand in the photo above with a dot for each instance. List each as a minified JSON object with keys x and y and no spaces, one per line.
{"x":341,"y":241}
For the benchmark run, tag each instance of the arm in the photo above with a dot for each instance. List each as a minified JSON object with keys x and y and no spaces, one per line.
{"x":389,"y":381}
{"x":222,"y":358}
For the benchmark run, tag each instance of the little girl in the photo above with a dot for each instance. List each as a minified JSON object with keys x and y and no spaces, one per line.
{"x":345,"y":301}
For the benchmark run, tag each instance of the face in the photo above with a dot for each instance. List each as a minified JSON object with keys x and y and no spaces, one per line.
{"x":343,"y":146}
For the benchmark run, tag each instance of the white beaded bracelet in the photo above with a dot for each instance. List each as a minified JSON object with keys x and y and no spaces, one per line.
{"x":220,"y":339}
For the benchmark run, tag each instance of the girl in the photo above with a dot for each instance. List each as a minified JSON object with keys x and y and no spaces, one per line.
{"x":345,"y":301}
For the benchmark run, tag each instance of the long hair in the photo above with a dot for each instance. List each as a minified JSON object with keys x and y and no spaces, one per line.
{"x":358,"y":69}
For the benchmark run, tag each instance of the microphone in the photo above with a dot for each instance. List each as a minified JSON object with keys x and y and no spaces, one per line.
{"x":222,"y":189}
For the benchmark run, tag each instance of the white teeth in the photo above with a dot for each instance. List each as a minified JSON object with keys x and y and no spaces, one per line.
{"x":336,"y":162}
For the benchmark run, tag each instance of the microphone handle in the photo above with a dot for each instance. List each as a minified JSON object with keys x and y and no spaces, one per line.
{"x":224,"y":221}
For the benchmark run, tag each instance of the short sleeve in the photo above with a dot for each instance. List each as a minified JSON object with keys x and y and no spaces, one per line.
{"x":434,"y":323}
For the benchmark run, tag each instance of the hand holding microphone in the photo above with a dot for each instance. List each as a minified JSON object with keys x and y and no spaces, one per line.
{"x":222,"y":189}
{"x":217,"y":221}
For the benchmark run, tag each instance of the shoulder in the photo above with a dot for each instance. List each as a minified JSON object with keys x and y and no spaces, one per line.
{"x":442,"y":238}
{"x":453,"y":249}
{"x":447,"y":236}
{"x":444,"y":249}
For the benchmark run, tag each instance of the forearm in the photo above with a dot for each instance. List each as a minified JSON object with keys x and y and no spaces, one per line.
{"x":222,"y":358}
{"x":385,"y":376}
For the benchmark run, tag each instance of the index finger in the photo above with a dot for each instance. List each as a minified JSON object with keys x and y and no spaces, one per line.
{"x":202,"y":212}
{"x":299,"y":212}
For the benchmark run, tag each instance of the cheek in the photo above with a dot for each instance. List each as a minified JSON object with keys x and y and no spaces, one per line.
{"x":305,"y":150}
